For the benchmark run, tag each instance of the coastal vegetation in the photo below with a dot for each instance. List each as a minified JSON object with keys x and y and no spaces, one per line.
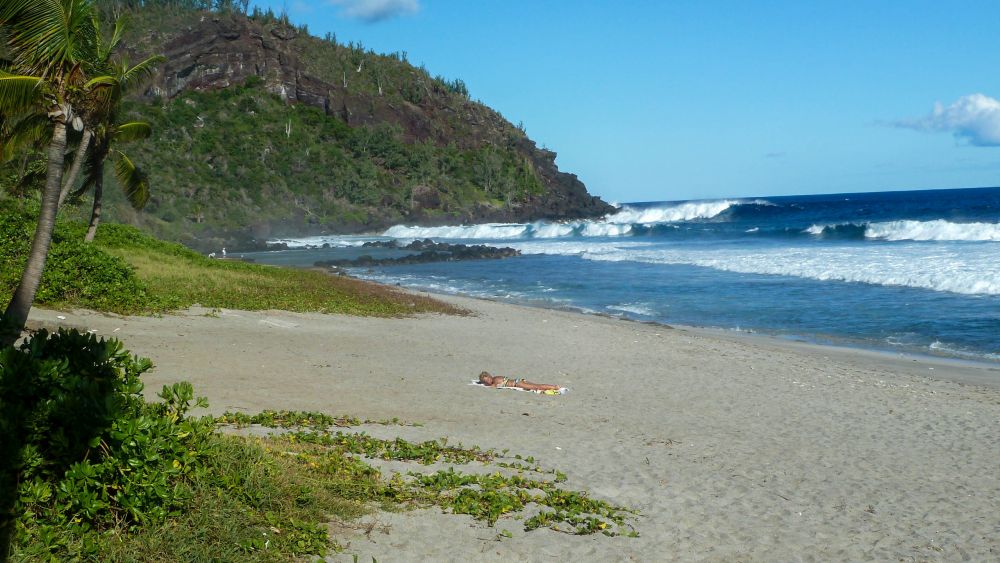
{"x":104,"y":474}
{"x":126,"y":271}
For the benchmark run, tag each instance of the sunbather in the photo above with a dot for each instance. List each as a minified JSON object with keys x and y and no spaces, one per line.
{"x":496,"y":381}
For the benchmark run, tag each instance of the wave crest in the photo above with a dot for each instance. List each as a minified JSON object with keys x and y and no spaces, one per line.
{"x":935,"y":230}
{"x":627,"y":220}
{"x":687,"y":211}
{"x":939,"y":230}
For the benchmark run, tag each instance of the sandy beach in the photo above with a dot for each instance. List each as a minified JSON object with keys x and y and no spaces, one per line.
{"x":733,"y":448}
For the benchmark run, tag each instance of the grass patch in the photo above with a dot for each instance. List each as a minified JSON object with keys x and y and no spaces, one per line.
{"x":251,"y":287}
{"x":128,"y":272}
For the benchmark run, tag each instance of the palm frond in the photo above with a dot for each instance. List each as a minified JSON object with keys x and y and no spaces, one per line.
{"x":104,"y":46}
{"x":19,"y":92}
{"x":23,"y":133}
{"x":132,"y":131}
{"x":103,"y":96}
{"x":9,"y":9}
{"x":134,"y":76}
{"x":121,"y":24}
{"x":98,"y":43}
{"x":49,"y":36}
{"x":132,"y":180}
{"x":103,"y":80}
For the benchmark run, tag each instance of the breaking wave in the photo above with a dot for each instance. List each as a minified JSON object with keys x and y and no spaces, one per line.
{"x":626,"y":221}
{"x":938,"y":229}
{"x":935,"y":230}
{"x":687,"y":211}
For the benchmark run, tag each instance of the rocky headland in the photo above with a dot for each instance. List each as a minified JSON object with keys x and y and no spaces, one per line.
{"x":376,"y":141}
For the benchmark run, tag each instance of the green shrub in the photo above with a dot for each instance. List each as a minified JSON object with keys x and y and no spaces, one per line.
{"x":90,"y":471}
{"x":89,"y":277}
{"x":75,"y":273}
{"x":82,"y":451}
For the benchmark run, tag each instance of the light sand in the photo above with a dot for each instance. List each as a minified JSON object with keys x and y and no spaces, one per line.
{"x":733,"y":448}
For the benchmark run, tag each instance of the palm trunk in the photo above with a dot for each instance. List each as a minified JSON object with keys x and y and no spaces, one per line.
{"x":16,"y":315}
{"x":95,"y":215}
{"x":74,"y":171}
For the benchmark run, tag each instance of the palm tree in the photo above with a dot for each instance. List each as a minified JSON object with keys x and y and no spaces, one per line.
{"x":48,"y":41}
{"x":117,"y":79}
{"x":100,"y":106}
{"x":132,"y":180}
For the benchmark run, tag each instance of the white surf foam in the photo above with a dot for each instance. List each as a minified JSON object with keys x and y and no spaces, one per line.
{"x":335,"y":241}
{"x":634,"y":308}
{"x":483,"y":231}
{"x":968,"y":270}
{"x":941,"y":347}
{"x":938,"y":229}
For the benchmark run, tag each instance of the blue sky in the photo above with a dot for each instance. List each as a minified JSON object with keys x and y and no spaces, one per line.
{"x":664,"y":100}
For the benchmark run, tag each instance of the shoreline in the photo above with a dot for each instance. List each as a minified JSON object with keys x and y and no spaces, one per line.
{"x":731,"y":448}
{"x":970,"y":369}
{"x":921,"y":353}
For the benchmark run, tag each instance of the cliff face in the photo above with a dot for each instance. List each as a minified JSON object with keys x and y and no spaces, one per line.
{"x":209,"y":52}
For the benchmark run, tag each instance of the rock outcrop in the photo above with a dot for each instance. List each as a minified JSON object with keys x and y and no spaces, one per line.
{"x":424,"y":251}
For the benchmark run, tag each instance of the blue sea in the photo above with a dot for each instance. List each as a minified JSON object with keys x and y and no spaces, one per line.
{"x":915,"y":271}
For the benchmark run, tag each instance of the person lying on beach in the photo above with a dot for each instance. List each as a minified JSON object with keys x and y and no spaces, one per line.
{"x":496,"y":381}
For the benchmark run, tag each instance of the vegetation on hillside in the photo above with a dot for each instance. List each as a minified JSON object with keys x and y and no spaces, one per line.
{"x":221,"y":161}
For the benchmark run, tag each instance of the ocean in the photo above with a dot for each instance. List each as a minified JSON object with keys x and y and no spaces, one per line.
{"x":914,"y":271}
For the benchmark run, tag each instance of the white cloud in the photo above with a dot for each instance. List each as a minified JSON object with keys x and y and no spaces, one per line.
{"x":974,"y":118}
{"x":373,"y":11}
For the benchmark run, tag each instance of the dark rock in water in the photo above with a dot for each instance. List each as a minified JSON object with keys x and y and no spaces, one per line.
{"x":428,"y":244}
{"x":380,"y":244}
{"x":430,"y":251}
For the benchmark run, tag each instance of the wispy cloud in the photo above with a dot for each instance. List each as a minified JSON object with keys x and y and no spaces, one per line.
{"x":774,"y":155}
{"x":373,"y":11}
{"x":974,"y":118}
